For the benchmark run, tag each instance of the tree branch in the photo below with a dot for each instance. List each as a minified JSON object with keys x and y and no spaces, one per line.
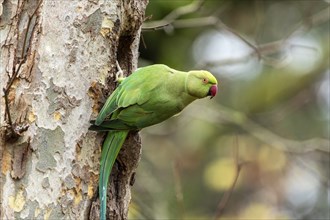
{"x":173,"y":15}
{"x":227,"y":115}
{"x":262,"y":51}
{"x":184,"y":10}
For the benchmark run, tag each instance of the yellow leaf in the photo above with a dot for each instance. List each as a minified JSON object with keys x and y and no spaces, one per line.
{"x":219,"y":175}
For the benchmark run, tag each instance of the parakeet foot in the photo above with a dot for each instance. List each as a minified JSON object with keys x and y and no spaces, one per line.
{"x":119,"y":77}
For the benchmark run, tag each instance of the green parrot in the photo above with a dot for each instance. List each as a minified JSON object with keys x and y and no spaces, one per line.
{"x":148,"y":96}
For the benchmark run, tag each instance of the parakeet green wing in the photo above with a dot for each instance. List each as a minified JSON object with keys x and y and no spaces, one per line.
{"x":130,"y":92}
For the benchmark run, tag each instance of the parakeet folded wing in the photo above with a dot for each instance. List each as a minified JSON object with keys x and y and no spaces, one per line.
{"x":131,"y":118}
{"x":130,"y":92}
{"x":108,"y":108}
{"x":111,"y":124}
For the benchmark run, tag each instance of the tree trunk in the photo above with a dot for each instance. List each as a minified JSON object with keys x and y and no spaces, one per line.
{"x":57,"y":65}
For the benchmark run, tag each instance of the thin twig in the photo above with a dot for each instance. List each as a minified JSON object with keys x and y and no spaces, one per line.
{"x":178,"y":189}
{"x":184,"y":10}
{"x":171,"y":21}
{"x":195,"y":22}
{"x":157,"y":27}
{"x":264,"y":49}
{"x":225,"y":198}
{"x":221,"y":25}
{"x":315,"y":19}
{"x":173,"y":15}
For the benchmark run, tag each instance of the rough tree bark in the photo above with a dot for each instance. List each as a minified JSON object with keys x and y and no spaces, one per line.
{"x":57,"y":65}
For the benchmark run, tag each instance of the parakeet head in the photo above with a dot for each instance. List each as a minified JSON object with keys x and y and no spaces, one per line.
{"x":201,"y":83}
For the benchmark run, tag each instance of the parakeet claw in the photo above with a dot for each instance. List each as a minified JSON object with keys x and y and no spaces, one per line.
{"x":119,"y":77}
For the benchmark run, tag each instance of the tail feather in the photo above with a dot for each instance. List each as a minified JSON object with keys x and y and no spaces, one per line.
{"x":110,"y":150}
{"x":108,"y":125}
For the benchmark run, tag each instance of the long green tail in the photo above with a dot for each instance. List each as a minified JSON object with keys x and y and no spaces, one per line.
{"x":110,"y":150}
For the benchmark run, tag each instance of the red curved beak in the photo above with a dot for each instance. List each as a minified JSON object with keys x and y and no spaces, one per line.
{"x":213,"y":91}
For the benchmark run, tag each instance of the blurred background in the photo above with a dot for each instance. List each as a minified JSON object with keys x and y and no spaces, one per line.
{"x":260,"y":148}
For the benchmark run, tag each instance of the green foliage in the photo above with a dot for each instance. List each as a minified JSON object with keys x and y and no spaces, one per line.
{"x":282,"y":100}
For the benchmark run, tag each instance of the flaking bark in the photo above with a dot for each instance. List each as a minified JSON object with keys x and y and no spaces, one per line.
{"x":57,"y":65}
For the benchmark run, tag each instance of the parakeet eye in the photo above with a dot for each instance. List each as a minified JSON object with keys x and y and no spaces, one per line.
{"x":205,"y":80}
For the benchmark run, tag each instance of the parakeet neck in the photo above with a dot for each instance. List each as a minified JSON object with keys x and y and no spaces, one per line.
{"x":177,"y":88}
{"x":186,"y":97}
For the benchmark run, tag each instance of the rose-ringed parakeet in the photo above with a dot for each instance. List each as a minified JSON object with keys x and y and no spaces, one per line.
{"x":148,"y":96}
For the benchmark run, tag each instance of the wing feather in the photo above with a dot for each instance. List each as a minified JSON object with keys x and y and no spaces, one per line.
{"x":109,"y":107}
{"x":130,"y":91}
